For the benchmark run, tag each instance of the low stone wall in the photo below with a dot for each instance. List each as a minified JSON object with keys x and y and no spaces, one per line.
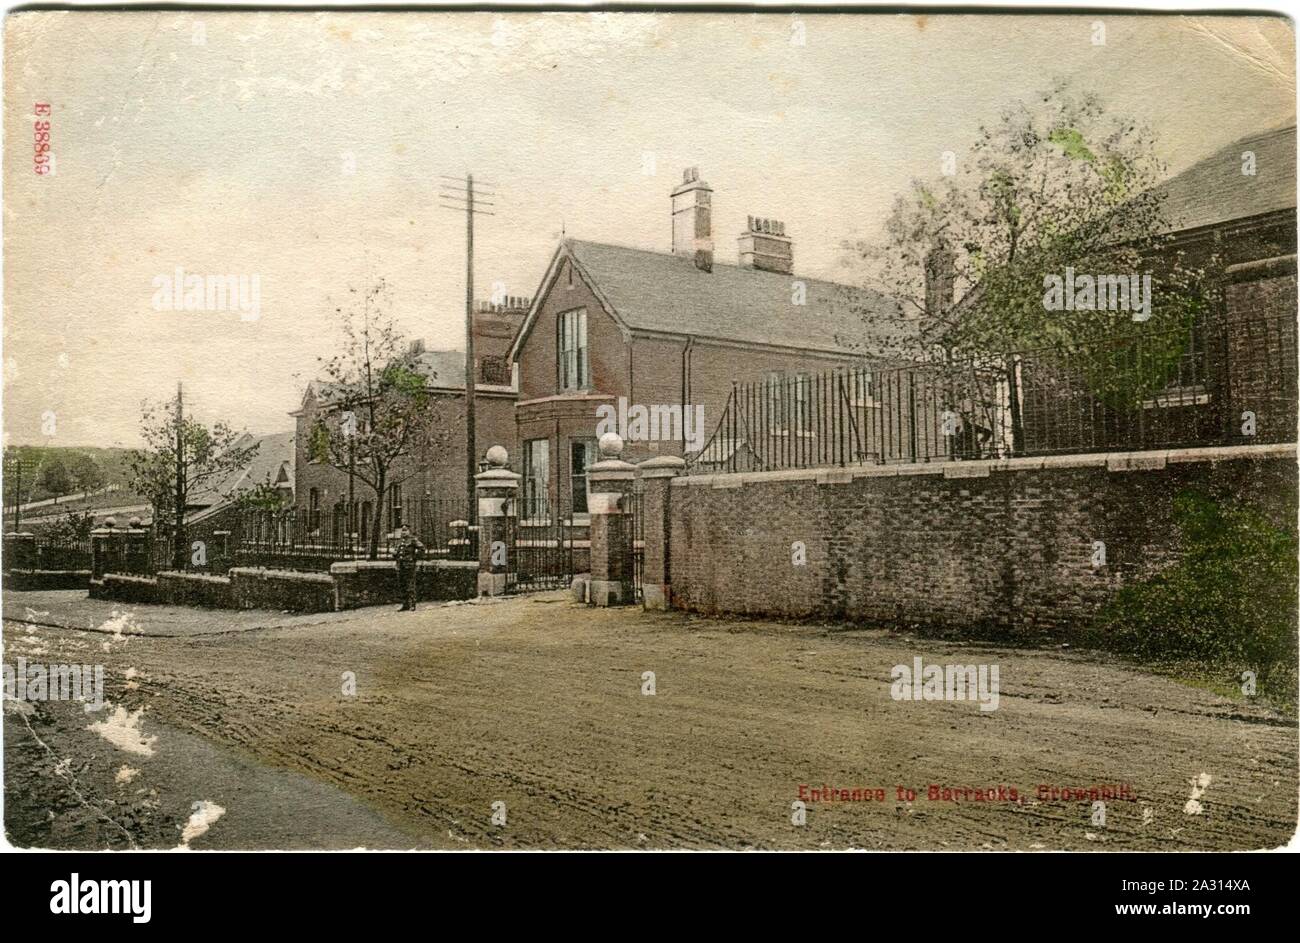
{"x":371,"y":583}
{"x":1009,"y":544}
{"x":123,"y":588}
{"x":46,"y":579}
{"x":348,"y":586}
{"x":281,"y":589}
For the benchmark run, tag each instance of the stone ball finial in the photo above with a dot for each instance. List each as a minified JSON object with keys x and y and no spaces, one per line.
{"x":134,"y":522}
{"x":497,"y":456}
{"x":110,"y":522}
{"x":611,"y":445}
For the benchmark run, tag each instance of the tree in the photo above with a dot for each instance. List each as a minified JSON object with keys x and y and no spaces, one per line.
{"x":181,"y":455}
{"x":375,"y":407}
{"x":264,"y":496}
{"x":54,"y":478}
{"x":73,"y":527}
{"x":1057,"y":183}
{"x":87,"y":473}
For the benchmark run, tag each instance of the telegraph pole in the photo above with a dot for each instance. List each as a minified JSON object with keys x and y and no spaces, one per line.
{"x":178,"y":540}
{"x":460,"y":197}
{"x":15,"y":467}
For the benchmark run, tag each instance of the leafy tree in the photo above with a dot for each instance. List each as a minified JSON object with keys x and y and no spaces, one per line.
{"x":86,"y":472}
{"x":54,"y":477}
{"x":375,"y":402}
{"x":1056,"y":182}
{"x":181,"y":455}
{"x":264,"y":496}
{"x":73,"y":527}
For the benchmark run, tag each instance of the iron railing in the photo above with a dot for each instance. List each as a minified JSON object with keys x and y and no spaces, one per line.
{"x":53,"y":553}
{"x":302,"y":539}
{"x":1215,"y":383}
{"x":307,"y":538}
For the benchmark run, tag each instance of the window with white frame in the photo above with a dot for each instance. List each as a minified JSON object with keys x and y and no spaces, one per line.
{"x":537,"y":476}
{"x":574,"y":366}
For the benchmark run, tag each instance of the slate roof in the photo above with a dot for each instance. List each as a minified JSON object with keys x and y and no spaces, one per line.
{"x":444,"y":369}
{"x":273,"y":452}
{"x":658,"y":291}
{"x":1214,"y":190}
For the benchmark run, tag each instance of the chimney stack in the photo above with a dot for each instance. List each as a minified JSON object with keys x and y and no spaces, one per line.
{"x":693,"y":220}
{"x":940,"y":278}
{"x":765,"y":246}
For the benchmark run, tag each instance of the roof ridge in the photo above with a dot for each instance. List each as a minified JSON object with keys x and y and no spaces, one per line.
{"x":732,"y":265}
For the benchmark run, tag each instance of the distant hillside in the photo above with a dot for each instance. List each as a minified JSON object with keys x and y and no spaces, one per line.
{"x":40,"y":474}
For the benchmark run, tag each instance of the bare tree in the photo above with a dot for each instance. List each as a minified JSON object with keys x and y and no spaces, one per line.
{"x":181,"y":456}
{"x":375,"y":402}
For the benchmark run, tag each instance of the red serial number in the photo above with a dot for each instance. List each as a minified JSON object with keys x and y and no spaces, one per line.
{"x":42,"y":132}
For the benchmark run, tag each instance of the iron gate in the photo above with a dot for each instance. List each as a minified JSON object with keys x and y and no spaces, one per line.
{"x":635,"y":509}
{"x":540,"y":556}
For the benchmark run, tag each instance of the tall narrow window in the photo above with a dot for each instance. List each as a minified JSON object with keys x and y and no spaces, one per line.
{"x":802,"y":384}
{"x":537,"y":475}
{"x":582,"y":453}
{"x":395,"y":506}
{"x":573,"y":365}
{"x":773,"y":404}
{"x":313,"y":510}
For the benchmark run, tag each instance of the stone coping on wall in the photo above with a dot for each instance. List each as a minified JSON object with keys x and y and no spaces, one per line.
{"x":1114,"y":461}
{"x":126,"y":578}
{"x":197,"y":577}
{"x":25,"y":572}
{"x":357,"y":566}
{"x":265,"y":574}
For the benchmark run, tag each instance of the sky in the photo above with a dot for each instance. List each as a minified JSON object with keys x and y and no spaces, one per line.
{"x":306,"y":150}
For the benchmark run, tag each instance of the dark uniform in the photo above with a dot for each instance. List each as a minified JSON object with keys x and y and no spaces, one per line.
{"x":409,"y":550}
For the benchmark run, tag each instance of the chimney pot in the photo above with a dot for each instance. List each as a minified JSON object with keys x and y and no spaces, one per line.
{"x":764,"y":245}
{"x":692,"y":217}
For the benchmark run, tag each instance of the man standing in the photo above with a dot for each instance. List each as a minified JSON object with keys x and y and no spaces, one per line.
{"x":408,"y":551}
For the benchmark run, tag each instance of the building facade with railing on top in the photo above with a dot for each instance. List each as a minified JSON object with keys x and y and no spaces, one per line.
{"x":648,"y":343}
{"x":1227,"y":377}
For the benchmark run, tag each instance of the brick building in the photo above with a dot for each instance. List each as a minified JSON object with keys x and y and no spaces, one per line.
{"x":613,"y":330}
{"x":1236,"y":206}
{"x":429,"y":489}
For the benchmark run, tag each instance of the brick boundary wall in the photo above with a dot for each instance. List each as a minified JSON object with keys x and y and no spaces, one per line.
{"x":1004,"y":545}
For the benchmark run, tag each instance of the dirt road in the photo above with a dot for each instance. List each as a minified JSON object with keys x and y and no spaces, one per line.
{"x":536,"y":712}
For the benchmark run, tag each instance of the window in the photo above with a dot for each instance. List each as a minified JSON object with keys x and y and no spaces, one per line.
{"x":367,"y":515}
{"x":774,"y":402}
{"x":395,"y":507}
{"x":574,"y":368}
{"x":495,"y":370}
{"x":537,"y":474}
{"x":313,"y":510}
{"x":861,"y":388}
{"x":802,"y":404}
{"x":582,"y":454}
